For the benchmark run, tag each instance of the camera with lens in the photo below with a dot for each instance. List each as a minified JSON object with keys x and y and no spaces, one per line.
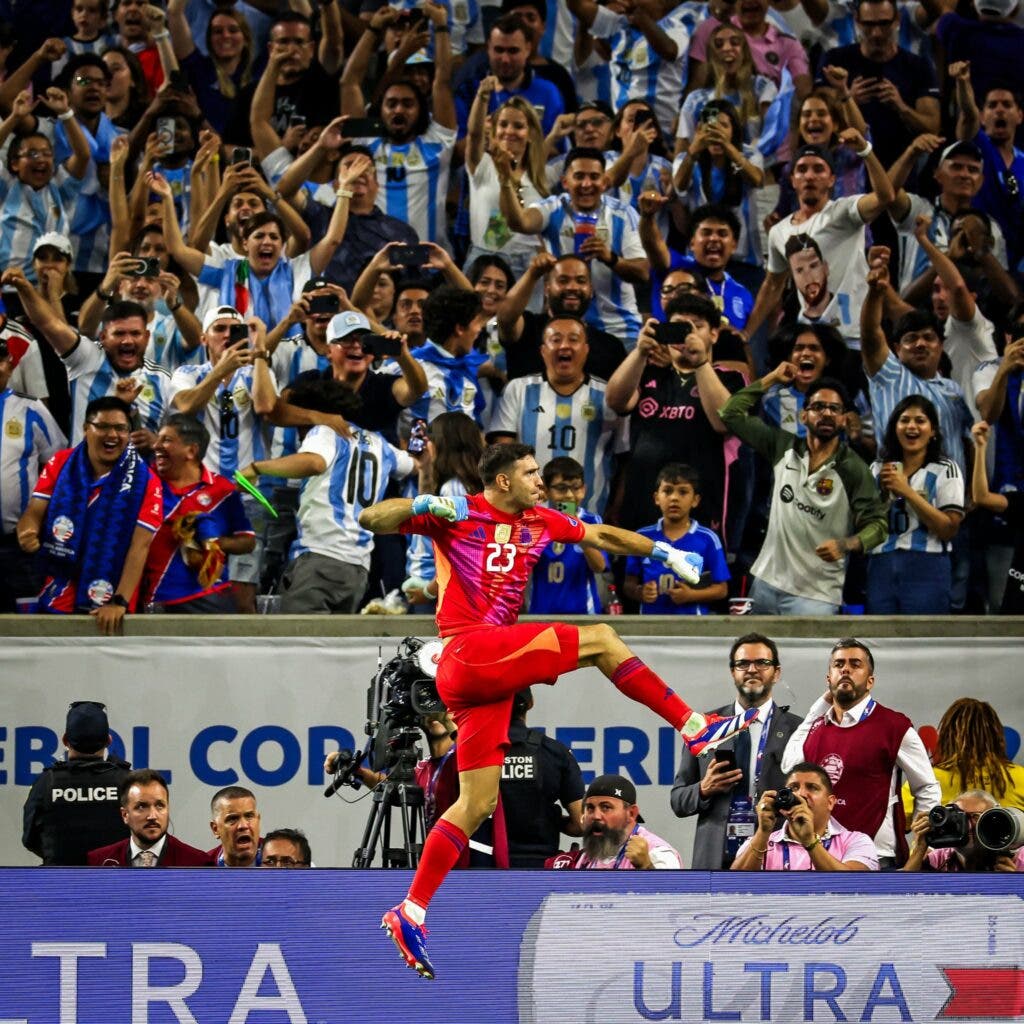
{"x":785,"y":799}
{"x":950,"y":827}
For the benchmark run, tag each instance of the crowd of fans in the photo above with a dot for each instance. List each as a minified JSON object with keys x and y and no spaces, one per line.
{"x":746,"y":275}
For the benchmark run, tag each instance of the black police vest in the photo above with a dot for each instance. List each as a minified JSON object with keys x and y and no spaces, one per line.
{"x":531,"y":819}
{"x":81,"y":810}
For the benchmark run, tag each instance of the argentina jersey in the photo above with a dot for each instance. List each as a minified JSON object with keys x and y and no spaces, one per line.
{"x":29,"y":436}
{"x":464,"y":24}
{"x":413,"y":180}
{"x":781,"y":407}
{"x":557,"y":43}
{"x":236,"y":431}
{"x":167,"y":347}
{"x":419,"y":557}
{"x":356,"y":476}
{"x":562,"y":583}
{"x":580,"y":425}
{"x":940,"y":484}
{"x":91,"y":375}
{"x":27,"y":213}
{"x":618,"y":224}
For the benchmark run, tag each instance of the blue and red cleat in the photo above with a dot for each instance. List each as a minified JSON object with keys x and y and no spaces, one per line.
{"x":410,"y":938}
{"x":716,"y":729}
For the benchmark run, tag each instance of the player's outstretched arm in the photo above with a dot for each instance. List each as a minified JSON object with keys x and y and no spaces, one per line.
{"x":616,"y":541}
{"x":386,"y":516}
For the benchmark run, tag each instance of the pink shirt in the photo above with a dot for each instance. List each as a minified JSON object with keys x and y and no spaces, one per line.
{"x":772,"y":51}
{"x":841,"y":843}
{"x":937,"y":859}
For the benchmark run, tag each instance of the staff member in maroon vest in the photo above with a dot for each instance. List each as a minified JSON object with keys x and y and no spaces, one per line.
{"x":863,"y":746}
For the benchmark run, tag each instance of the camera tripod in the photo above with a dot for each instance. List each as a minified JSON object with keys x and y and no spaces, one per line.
{"x":400,"y":793}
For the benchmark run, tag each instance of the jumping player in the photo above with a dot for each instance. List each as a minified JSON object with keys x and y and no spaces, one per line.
{"x":485,"y":546}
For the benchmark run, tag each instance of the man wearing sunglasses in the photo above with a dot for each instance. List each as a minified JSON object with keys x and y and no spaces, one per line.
{"x":722,"y":791}
{"x":73,"y":805}
{"x":824,"y":503}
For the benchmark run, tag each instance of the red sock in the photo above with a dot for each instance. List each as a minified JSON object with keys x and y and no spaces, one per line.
{"x":642,"y":684}
{"x":441,"y":851}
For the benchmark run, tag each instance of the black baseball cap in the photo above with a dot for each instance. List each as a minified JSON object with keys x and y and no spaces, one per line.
{"x":599,"y":105}
{"x":819,"y":151}
{"x":87,"y":729}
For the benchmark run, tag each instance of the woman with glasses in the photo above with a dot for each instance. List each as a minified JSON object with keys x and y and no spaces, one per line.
{"x":910,"y":572}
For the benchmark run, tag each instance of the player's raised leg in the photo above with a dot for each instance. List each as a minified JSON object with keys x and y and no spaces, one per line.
{"x":603,"y":648}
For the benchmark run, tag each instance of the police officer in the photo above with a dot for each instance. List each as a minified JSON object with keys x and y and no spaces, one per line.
{"x":539,"y":778}
{"x":722,"y":790}
{"x":73,"y":806}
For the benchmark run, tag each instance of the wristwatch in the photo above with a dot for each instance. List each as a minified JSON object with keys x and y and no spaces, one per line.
{"x":120,"y":600}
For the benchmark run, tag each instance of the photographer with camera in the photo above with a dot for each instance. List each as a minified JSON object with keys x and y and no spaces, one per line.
{"x":971,"y":834}
{"x":810,"y":838}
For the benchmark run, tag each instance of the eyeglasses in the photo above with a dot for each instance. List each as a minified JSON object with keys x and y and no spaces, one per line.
{"x":85,"y":80}
{"x":685,"y":286}
{"x":592,"y":122}
{"x":37,"y":154}
{"x":92,"y":703}
{"x":744,"y":663}
{"x":110,"y":428}
{"x":833,"y":407}
{"x":282,"y":862}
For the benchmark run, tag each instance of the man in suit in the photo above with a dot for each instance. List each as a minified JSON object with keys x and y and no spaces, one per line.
{"x":145,"y":809}
{"x":721,"y":791}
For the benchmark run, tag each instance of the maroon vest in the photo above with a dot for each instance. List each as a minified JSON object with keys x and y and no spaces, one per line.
{"x":860,"y":760}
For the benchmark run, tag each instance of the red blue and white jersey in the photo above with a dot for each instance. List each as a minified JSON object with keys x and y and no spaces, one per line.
{"x":29,"y":437}
{"x":484,"y":562}
{"x":168,"y":579}
{"x":60,"y":590}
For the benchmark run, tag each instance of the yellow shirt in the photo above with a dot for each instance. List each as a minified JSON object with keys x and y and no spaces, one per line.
{"x":951,"y":789}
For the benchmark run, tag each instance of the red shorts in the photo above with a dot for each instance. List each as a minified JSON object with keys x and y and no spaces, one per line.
{"x":479,"y":673}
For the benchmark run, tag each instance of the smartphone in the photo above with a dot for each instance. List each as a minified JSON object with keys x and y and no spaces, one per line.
{"x":728,"y":757}
{"x":641,"y":117}
{"x":409,"y":255}
{"x":165,"y":135}
{"x":418,"y":437}
{"x":363,"y":128}
{"x":320,"y":304}
{"x":145,"y":266}
{"x":237,"y":333}
{"x":672,"y":334}
{"x":381,"y":346}
{"x":241,"y":155}
{"x":297,"y":121}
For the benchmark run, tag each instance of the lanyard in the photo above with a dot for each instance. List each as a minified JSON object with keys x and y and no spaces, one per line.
{"x":826,"y":843}
{"x":760,"y":748}
{"x":622,"y":852}
{"x":430,"y":801}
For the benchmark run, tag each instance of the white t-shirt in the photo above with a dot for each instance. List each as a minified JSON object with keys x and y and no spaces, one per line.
{"x":487,"y":227}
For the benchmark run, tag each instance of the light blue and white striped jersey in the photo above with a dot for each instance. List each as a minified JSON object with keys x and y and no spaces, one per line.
{"x":559,"y":34}
{"x":29,"y":436}
{"x":26,"y":213}
{"x":454,"y":390}
{"x":913,"y":259}
{"x":638,"y":73}
{"x":940,"y":484}
{"x":781,"y":406}
{"x":614,"y":308}
{"x":166,"y":346}
{"x":90,"y":225}
{"x":594,"y":79}
{"x":765,"y":90}
{"x":464,"y":23}
{"x":291,"y":357}
{"x":75,"y":47}
{"x":236,"y":432}
{"x":656,"y":176}
{"x":357,"y":475}
{"x":580,"y":425}
{"x":91,"y":375}
{"x":419,"y":556}
{"x":413,"y":179}
{"x":838,"y":314}
{"x":894,"y":382}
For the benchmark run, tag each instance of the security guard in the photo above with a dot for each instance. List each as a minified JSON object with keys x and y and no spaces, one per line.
{"x":73,"y":806}
{"x":539,"y":778}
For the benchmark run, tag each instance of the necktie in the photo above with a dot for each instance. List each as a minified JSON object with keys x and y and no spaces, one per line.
{"x":742,"y":748}
{"x":145,"y":859}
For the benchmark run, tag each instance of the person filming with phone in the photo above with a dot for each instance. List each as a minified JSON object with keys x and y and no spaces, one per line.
{"x":810,"y":839}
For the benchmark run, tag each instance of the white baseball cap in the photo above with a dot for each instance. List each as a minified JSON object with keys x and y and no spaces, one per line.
{"x":55,"y":240}
{"x":221,"y":313}
{"x":344,"y":324}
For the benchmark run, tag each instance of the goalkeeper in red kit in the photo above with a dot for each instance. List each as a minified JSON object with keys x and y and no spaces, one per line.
{"x":485,"y":547}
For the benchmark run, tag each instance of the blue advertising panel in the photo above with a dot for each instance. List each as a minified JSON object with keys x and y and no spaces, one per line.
{"x":208,"y":946}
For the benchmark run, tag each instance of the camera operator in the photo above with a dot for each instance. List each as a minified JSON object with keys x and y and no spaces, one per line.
{"x":970,"y":855}
{"x":438,"y":777}
{"x":810,"y":838}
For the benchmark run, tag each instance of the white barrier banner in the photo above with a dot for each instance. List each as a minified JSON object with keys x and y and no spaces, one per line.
{"x":262,"y":713}
{"x":765,"y":957}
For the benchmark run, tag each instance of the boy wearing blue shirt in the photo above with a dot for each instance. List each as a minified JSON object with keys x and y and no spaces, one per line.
{"x":564,"y":579}
{"x":659,"y":590}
